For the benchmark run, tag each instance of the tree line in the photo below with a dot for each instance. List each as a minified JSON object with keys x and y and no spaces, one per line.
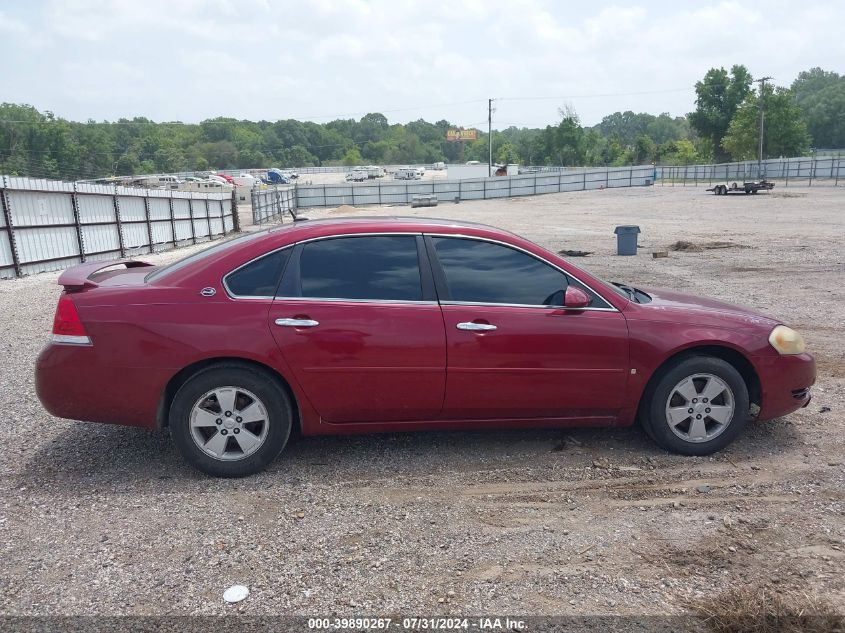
{"x":723,"y":126}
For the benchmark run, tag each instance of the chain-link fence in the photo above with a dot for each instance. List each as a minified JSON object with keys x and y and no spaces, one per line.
{"x":271,"y":204}
{"x":393,"y":192}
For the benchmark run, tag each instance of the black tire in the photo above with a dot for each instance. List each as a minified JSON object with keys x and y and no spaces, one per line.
{"x":653,"y":415}
{"x":263,"y":386}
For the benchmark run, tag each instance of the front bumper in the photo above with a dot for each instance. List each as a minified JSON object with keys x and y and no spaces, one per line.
{"x":785,"y":383}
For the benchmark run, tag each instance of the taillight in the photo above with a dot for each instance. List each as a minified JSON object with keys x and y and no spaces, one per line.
{"x":67,"y":326}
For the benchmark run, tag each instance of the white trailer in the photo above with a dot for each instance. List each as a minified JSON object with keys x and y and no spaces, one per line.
{"x":407,"y":173}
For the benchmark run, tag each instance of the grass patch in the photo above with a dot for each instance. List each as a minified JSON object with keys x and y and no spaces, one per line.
{"x":762,"y":610}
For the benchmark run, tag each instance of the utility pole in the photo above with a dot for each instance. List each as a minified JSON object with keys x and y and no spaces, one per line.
{"x":762,"y":81}
{"x":489,"y":137}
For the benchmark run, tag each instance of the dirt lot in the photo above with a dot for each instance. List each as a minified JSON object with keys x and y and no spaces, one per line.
{"x":109,"y":520}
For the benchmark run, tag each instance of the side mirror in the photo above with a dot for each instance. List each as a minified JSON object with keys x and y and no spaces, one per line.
{"x":575,"y":298}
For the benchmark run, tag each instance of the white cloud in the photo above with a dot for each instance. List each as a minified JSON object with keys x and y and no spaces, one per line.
{"x":258,"y":59}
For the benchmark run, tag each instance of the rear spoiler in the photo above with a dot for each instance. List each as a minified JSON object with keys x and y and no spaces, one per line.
{"x":78,"y":276}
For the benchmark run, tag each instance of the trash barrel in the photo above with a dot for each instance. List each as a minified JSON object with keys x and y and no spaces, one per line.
{"x":626,"y":239}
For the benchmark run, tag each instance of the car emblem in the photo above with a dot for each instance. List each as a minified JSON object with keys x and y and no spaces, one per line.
{"x":208,"y":292}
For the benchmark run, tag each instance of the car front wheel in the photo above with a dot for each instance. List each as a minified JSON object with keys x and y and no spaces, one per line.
{"x":697,"y":407}
{"x":230,"y":420}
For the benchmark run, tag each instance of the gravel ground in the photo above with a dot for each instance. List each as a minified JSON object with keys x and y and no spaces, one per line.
{"x":109,"y":520}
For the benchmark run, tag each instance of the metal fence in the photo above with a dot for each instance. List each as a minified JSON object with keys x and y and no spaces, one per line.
{"x":50,"y":225}
{"x":393,"y":192}
{"x":271,"y":204}
{"x":799,"y":171}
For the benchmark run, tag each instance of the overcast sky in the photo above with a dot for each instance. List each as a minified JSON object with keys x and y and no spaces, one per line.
{"x":189,"y":60}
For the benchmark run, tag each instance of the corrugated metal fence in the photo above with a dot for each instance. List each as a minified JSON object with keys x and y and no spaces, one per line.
{"x":800,"y":171}
{"x":271,"y":204}
{"x":50,"y":225}
{"x":393,"y":192}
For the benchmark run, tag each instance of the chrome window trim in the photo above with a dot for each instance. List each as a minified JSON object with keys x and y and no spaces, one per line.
{"x":610,"y":307}
{"x":341,"y":300}
{"x":528,"y":305}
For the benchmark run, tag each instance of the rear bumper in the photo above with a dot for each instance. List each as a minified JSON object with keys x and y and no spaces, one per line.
{"x":785,"y":383}
{"x":73,"y":382}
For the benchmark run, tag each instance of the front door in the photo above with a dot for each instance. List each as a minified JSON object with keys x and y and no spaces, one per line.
{"x":513,"y":350}
{"x":361,"y":329}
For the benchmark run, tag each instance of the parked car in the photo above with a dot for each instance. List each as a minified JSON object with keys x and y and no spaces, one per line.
{"x":391,"y":324}
{"x":277,"y":177}
{"x":245,"y":180}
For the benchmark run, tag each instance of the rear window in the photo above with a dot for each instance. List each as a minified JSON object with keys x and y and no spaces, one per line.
{"x":211,"y":251}
{"x":259,"y":278}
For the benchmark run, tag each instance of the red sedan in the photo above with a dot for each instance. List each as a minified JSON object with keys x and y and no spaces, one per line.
{"x":389,"y":324}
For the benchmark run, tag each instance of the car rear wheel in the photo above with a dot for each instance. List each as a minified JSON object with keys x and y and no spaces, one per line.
{"x":697,"y":407}
{"x":230,"y":420}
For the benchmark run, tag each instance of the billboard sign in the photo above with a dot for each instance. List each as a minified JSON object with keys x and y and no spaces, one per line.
{"x":461,"y":135}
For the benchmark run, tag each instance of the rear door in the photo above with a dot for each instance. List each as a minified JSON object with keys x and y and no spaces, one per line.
{"x":514,"y":351}
{"x":357,"y":319}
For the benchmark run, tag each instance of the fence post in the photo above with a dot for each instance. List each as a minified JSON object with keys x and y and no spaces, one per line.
{"x":149,"y":223}
{"x":191,"y":215}
{"x":535,"y":184}
{"x":460,"y":190}
{"x":485,"y":190}
{"x":253,"y":200}
{"x":7,"y":214}
{"x":836,"y":183}
{"x":208,"y":218}
{"x":173,"y":219}
{"x":236,"y":221}
{"x":630,"y":175}
{"x":353,"y":194}
{"x":606,"y":177}
{"x":584,"y":179}
{"x":119,"y":223}
{"x":74,"y":201}
{"x":559,"y":181}
{"x":812,"y":171}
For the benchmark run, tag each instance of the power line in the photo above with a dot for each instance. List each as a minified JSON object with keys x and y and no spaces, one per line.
{"x":596,"y":96}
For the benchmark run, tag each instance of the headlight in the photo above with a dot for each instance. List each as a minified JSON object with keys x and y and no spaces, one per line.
{"x":786,"y":340}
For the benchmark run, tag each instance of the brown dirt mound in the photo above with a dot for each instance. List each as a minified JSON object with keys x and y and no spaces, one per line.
{"x":692,"y":247}
{"x":689,"y":247}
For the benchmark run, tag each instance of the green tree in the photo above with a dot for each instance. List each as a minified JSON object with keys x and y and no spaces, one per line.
{"x":785,"y":131}
{"x":821,"y":97}
{"x":718,"y":96}
{"x":352,"y":157}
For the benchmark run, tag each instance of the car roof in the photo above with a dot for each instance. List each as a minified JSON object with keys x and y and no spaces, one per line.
{"x":326,"y":226}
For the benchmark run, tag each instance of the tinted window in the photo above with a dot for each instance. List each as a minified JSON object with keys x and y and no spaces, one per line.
{"x":259,"y":278}
{"x":217,"y":249}
{"x":383,"y":267}
{"x":482,"y":272}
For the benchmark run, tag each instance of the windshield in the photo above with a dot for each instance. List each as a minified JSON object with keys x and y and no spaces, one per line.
{"x":203,"y":254}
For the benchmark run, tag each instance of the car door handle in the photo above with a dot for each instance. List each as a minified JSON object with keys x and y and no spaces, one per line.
{"x":297,"y":322}
{"x":476,"y":327}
